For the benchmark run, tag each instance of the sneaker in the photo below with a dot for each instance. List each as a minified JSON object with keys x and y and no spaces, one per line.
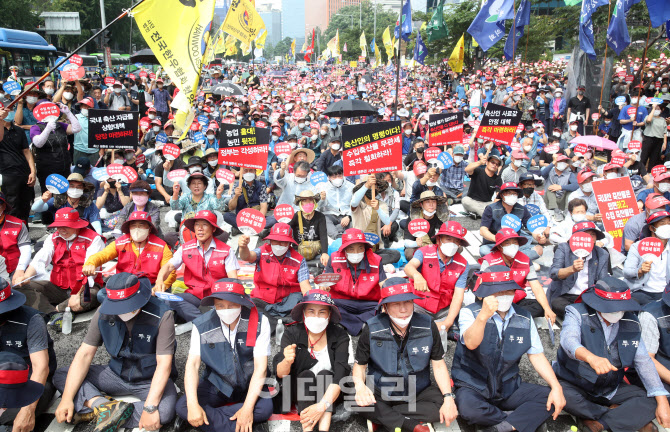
{"x":56,"y":321}
{"x":180,"y":425}
{"x":112,"y":415}
{"x":83,"y":418}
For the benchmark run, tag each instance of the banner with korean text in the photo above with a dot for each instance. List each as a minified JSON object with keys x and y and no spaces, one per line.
{"x":371,"y":148}
{"x":111,"y":129}
{"x":445,"y":129}
{"x":243,"y":146}
{"x":499,"y":124}
{"x":616,"y":203}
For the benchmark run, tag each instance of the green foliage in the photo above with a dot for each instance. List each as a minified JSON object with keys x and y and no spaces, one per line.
{"x":15,"y":15}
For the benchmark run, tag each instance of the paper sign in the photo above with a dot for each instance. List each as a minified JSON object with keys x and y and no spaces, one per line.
{"x":129,"y":174}
{"x":111,"y":129}
{"x":445,"y":129}
{"x":327,"y":279}
{"x":371,"y":148}
{"x":225,"y":175}
{"x":57,"y":184}
{"x":581,"y":244}
{"x":431,"y":154}
{"x":533,"y":209}
{"x":72,"y":72}
{"x":371,"y":238}
{"x":511,"y":221}
{"x":152,"y":76}
{"x":139,"y":160}
{"x":617,"y":203}
{"x":635,"y":145}
{"x":143,"y":74}
{"x":621,"y":100}
{"x":177,"y":175}
{"x":444,"y":160}
{"x":194,"y":126}
{"x":199,"y":137}
{"x":250,"y":221}
{"x":630,"y":78}
{"x":595,"y":116}
{"x":318,"y":177}
{"x":551,"y":149}
{"x":656,"y":101}
{"x":203,"y":120}
{"x":658,"y":169}
{"x":282,"y":149}
{"x":419,"y":168}
{"x":109,"y":81}
{"x":171,"y":151}
{"x":145,"y":123}
{"x":161,"y":138}
{"x":76,"y":60}
{"x":115,"y":171}
{"x":418,"y":227}
{"x":12,"y":88}
{"x":167,"y":296}
{"x":619,"y":160}
{"x":100,"y":174}
{"x":284,"y":213}
{"x":46,"y":112}
{"x":650,"y":248}
{"x":61,"y":65}
{"x":537,"y":224}
{"x":631,"y":112}
{"x":581,"y":148}
{"x":499,"y":124}
{"x":245,"y":147}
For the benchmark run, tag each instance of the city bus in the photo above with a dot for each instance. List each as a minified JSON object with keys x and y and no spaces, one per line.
{"x":29,"y":51}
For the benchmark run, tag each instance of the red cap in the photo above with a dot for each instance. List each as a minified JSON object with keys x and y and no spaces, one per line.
{"x":655,"y":200}
{"x":455,"y":230}
{"x":584,"y":175}
{"x":518,"y":154}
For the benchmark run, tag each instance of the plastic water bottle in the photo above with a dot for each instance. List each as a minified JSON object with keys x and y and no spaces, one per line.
{"x":67,"y":321}
{"x":444,"y":338}
{"x":573,"y":428}
{"x":279,"y":332}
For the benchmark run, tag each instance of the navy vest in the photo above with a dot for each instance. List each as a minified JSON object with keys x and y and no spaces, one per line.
{"x":228,"y":367}
{"x":493,"y":368}
{"x":498,"y":212}
{"x":254,"y":198}
{"x":14,"y":335}
{"x":580,"y":373}
{"x":388,"y":364}
{"x":55,"y":150}
{"x":133,"y":356}
{"x":661,"y":312}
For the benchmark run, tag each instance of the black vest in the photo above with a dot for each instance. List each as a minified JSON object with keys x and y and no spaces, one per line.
{"x":661,"y":312}
{"x":54,"y":152}
{"x":14,"y":335}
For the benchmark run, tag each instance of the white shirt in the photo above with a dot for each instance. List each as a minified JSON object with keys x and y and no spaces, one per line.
{"x":44,"y":256}
{"x":657,"y":274}
{"x":261,"y":349}
{"x":582,"y":282}
{"x":231,"y":260}
{"x":322,"y":361}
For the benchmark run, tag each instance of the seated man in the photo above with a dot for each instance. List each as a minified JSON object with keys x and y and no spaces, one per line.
{"x":252,"y":194}
{"x":430,"y":208}
{"x":66,"y":249}
{"x":559,"y":181}
{"x":654,"y":320}
{"x":585,"y":192}
{"x":440,"y":273}
{"x":633,"y":228}
{"x":599,"y":341}
{"x":335,"y":202}
{"x":137,"y":330}
{"x":15,"y":245}
{"x":403,"y":395}
{"x":451,"y":179}
{"x":506,"y":252}
{"x":530,"y":196}
{"x":18,"y":391}
{"x":232,"y":339}
{"x":357,"y":293}
{"x":24,"y":334}
{"x":281,"y":276}
{"x":661,"y":186}
{"x":138,"y":250}
{"x":484,"y":180}
{"x":494,"y":336}
{"x":206,"y":259}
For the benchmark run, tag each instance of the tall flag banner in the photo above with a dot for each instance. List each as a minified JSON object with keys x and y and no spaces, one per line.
{"x":388,"y":43}
{"x":488,"y":27}
{"x":334,"y":44}
{"x":231,"y":47}
{"x":304,"y":46}
{"x":293,"y":48}
{"x":586,"y":40}
{"x":520,"y":22}
{"x":457,"y":56}
{"x":661,"y":13}
{"x":345,"y":47}
{"x":420,"y":50}
{"x":378,"y":56}
{"x":437,"y":28}
{"x":310,"y":48}
{"x":364,"y":45}
{"x":372,"y":47}
{"x":617,"y":33}
{"x":260,"y":42}
{"x":179,"y":48}
{"x":242,"y":21}
{"x":403,"y":27}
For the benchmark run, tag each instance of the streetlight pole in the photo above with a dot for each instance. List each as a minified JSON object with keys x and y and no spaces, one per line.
{"x":374,"y":32}
{"x":108,"y":66}
{"x":360,"y":14}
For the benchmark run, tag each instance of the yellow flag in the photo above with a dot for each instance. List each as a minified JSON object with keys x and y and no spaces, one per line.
{"x":364,"y":44}
{"x":243,"y":22}
{"x":388,"y":43}
{"x":378,"y":56}
{"x":231,"y":47}
{"x":260,"y":42}
{"x":178,"y":35}
{"x":334,"y":44}
{"x":456,"y":58}
{"x":293,"y":48}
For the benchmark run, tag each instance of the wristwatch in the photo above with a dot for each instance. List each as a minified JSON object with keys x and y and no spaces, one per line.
{"x":150,"y":408}
{"x":449,"y":395}
{"x":327,"y":404}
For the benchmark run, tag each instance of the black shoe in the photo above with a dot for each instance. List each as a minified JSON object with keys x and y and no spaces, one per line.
{"x":454,"y":332}
{"x":264,"y":233}
{"x":179,"y":425}
{"x":235,"y":231}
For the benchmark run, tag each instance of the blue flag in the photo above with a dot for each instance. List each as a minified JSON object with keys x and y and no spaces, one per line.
{"x":520,"y":22}
{"x":389,"y":68}
{"x":661,"y":13}
{"x":488,"y":26}
{"x":667,"y":28}
{"x":617,"y":33}
{"x":420,"y":50}
{"x":586,"y":40}
{"x":403,"y":27}
{"x":372,"y":46}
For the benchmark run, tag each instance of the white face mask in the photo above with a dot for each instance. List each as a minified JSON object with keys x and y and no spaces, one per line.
{"x":408,"y":132}
{"x":573,"y":128}
{"x":401,"y":322}
{"x":510,"y":199}
{"x":423,"y":122}
{"x":49,"y":91}
{"x":156,"y":129}
{"x":72,"y":237}
{"x":323,"y":132}
{"x":279,"y":250}
{"x":211,"y":137}
{"x":431,"y":183}
{"x":335,"y":147}
{"x":300,"y":180}
{"x":338,"y":182}
{"x":664,"y":89}
{"x":611,"y":175}
{"x":579,"y":217}
{"x":128,"y":316}
{"x":449,"y":249}
{"x":316,"y":324}
{"x":195,"y":170}
{"x":68,"y":95}
{"x":633,"y":101}
{"x":151,"y":116}
{"x":31,"y":99}
{"x":214,"y":163}
{"x":588,"y":188}
{"x":428,"y":213}
{"x":139,"y":234}
{"x":315,"y":137}
{"x":228,"y":316}
{"x":663,"y":232}
{"x":561,"y":166}
{"x":275,"y":137}
{"x":301,"y":125}
{"x":517,"y":163}
{"x":75,"y":193}
{"x":84,"y":112}
{"x":664,"y":187}
{"x":249,"y":176}
{"x":458,"y":159}
{"x":505,"y":302}
{"x":355,"y":258}
{"x":527,"y":148}
{"x":119,"y":161}
{"x":612,"y":317}
{"x":557,"y":134}
{"x":510,"y":250}
{"x":117,"y":90}
{"x":657,"y":113}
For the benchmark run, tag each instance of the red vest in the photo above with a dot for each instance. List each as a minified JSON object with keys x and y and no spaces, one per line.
{"x":67,"y":263}
{"x":274,"y":280}
{"x":9,"y":247}
{"x":199,"y":277}
{"x":440,"y":285}
{"x":520,"y":268}
{"x":148,"y":261}
{"x":365,"y":288}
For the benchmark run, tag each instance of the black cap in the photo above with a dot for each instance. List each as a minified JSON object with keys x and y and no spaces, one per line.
{"x":82,"y":166}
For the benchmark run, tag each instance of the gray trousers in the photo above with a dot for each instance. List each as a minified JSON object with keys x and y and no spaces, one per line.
{"x":553,"y":202}
{"x":101,"y":379}
{"x":473,"y":206}
{"x":335,"y":230}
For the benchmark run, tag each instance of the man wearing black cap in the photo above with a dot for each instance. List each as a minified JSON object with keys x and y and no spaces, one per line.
{"x":137,"y":330}
{"x":601,"y":338}
{"x":17,"y":391}
{"x":579,"y":109}
{"x":494,"y":336}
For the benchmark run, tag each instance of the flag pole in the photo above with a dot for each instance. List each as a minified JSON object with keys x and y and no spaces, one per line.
{"x":46,"y":74}
{"x":639,"y":91}
{"x":602,"y":84}
{"x":513,"y":35}
{"x":397,"y":71}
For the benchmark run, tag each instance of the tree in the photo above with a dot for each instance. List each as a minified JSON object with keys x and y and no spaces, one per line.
{"x":19,"y":15}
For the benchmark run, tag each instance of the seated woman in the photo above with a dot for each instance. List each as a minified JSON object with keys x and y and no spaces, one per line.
{"x":140,"y":191}
{"x":111,"y":198}
{"x":431,"y":208}
{"x":309,"y":228}
{"x":313,"y":359}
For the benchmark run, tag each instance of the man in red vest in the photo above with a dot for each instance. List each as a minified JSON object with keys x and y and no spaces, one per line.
{"x":206,"y":259}
{"x":441,"y":272}
{"x":138,"y":250}
{"x":67,"y":249}
{"x":358,"y":292}
{"x":281,"y":276}
{"x":15,"y":245}
{"x":506,"y":252}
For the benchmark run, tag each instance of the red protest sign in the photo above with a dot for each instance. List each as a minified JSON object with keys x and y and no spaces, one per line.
{"x":76,"y":60}
{"x":327,"y":279}
{"x":282,"y":149}
{"x":432,"y":153}
{"x":658,"y":169}
{"x":629,"y":78}
{"x":418,"y":227}
{"x":152,"y":76}
{"x":657,"y":84}
{"x":143,"y":74}
{"x":250,"y":221}
{"x":139,"y":160}
{"x":171,"y":151}
{"x":46,"y":112}
{"x":244,"y":146}
{"x":581,"y":148}
{"x":284,"y":213}
{"x":115,"y":171}
{"x":109,"y":81}
{"x":371,"y":148}
{"x":72,"y":72}
{"x":419,"y":168}
{"x":129,"y":173}
{"x":177,"y":175}
{"x":131,"y":76}
{"x":445,"y":129}
{"x":225,"y":175}
{"x":635,"y":145}
{"x":619,"y":160}
{"x":621,"y":74}
{"x":149,"y":104}
{"x":595,"y":116}
{"x":499,"y":124}
{"x":631,"y":112}
{"x":616,"y":203}
{"x":144,"y":123}
{"x":650,"y":248}
{"x":552,"y":148}
{"x":581,"y":244}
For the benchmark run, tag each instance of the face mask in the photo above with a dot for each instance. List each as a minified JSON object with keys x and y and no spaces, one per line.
{"x":612,"y":317}
{"x":214,"y":163}
{"x":611,"y":175}
{"x":119,"y":161}
{"x":194,"y":170}
{"x":505,"y":302}
{"x":139,"y":234}
{"x":293,"y":145}
{"x":581,"y":93}
{"x":248,"y":176}
{"x":588,"y":188}
{"x":228,"y":316}
{"x":663,"y":232}
{"x":664,"y":187}
{"x":510,"y":250}
{"x":68,"y":95}
{"x":408,"y":131}
{"x":355,"y":258}
{"x":633,"y":101}
{"x":561,"y":166}
{"x":301,"y":125}
{"x":211,"y":137}
{"x":527,"y":148}
{"x":307,"y":207}
{"x":239,"y":118}
{"x":84,"y":112}
{"x":423,"y":122}
{"x":449,"y":249}
{"x":117,"y":90}
{"x":156,"y":129}
{"x":279,"y":250}
{"x":431,"y":183}
{"x":557,"y":134}
{"x":401,"y":322}
{"x":72,"y":237}
{"x":420,"y":149}
{"x":49,"y":91}
{"x":510,"y":199}
{"x":314,"y":137}
{"x":160,"y":86}
{"x":579,"y":217}
{"x":323,"y":132}
{"x":657,"y":113}
{"x":316,"y":324}
{"x":664,"y":89}
{"x":458,"y":159}
{"x":335,"y":147}
{"x":300,"y":180}
{"x":338,"y":182}
{"x":528,"y":191}
{"x":517,"y":163}
{"x":74,"y":193}
{"x":128,"y":316}
{"x":31,"y":99}
{"x":428,"y":213}
{"x":151,"y":116}
{"x":573,"y":128}
{"x":140,"y":200}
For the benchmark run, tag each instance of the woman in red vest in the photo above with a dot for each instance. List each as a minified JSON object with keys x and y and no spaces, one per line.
{"x":506,"y":252}
{"x":358,"y":292}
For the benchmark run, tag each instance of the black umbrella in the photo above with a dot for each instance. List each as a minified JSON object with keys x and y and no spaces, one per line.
{"x":226,"y":88}
{"x":144,"y":56}
{"x":350,"y":108}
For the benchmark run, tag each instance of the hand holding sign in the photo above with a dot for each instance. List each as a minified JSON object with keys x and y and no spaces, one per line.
{"x":318,"y":178}
{"x":634,"y":145}
{"x":177,"y":175}
{"x":326,"y":280}
{"x":581,"y":244}
{"x":171,"y":151}
{"x":650,"y":249}
{"x":418,"y":227}
{"x":431,"y":154}
{"x":46,"y":112}
{"x":282,"y":150}
{"x":511,"y":221}
{"x":533,"y":209}
{"x":537,"y":224}
{"x":250,"y":221}
{"x":226,"y":175}
{"x":445,"y":161}
{"x":57,"y":184}
{"x":284,"y":213}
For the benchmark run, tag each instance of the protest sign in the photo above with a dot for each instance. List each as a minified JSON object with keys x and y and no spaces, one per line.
{"x":284,"y":213}
{"x":225,"y":175}
{"x":327,"y":279}
{"x":431,"y":154}
{"x":419,"y":168}
{"x":177,"y":175}
{"x":581,"y":149}
{"x":72,"y":72}
{"x":499,"y":124}
{"x":581,"y":244}
{"x":115,"y":171}
{"x":109,"y":129}
{"x":245,"y":147}
{"x":318,"y":177}
{"x":250,"y":221}
{"x":418,"y":227}
{"x":511,"y":221}
{"x":533,"y":209}
{"x":650,"y":248}
{"x":167,"y":296}
{"x":109,"y":81}
{"x":171,"y":151}
{"x":46,"y":112}
{"x":371,"y":238}
{"x":445,"y":161}
{"x":372,"y":148}
{"x":57,"y":184}
{"x":658,"y":169}
{"x":537,"y":224}
{"x":445,"y":129}
{"x":616,"y":203}
{"x":634,"y":145}
{"x":12,"y":88}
